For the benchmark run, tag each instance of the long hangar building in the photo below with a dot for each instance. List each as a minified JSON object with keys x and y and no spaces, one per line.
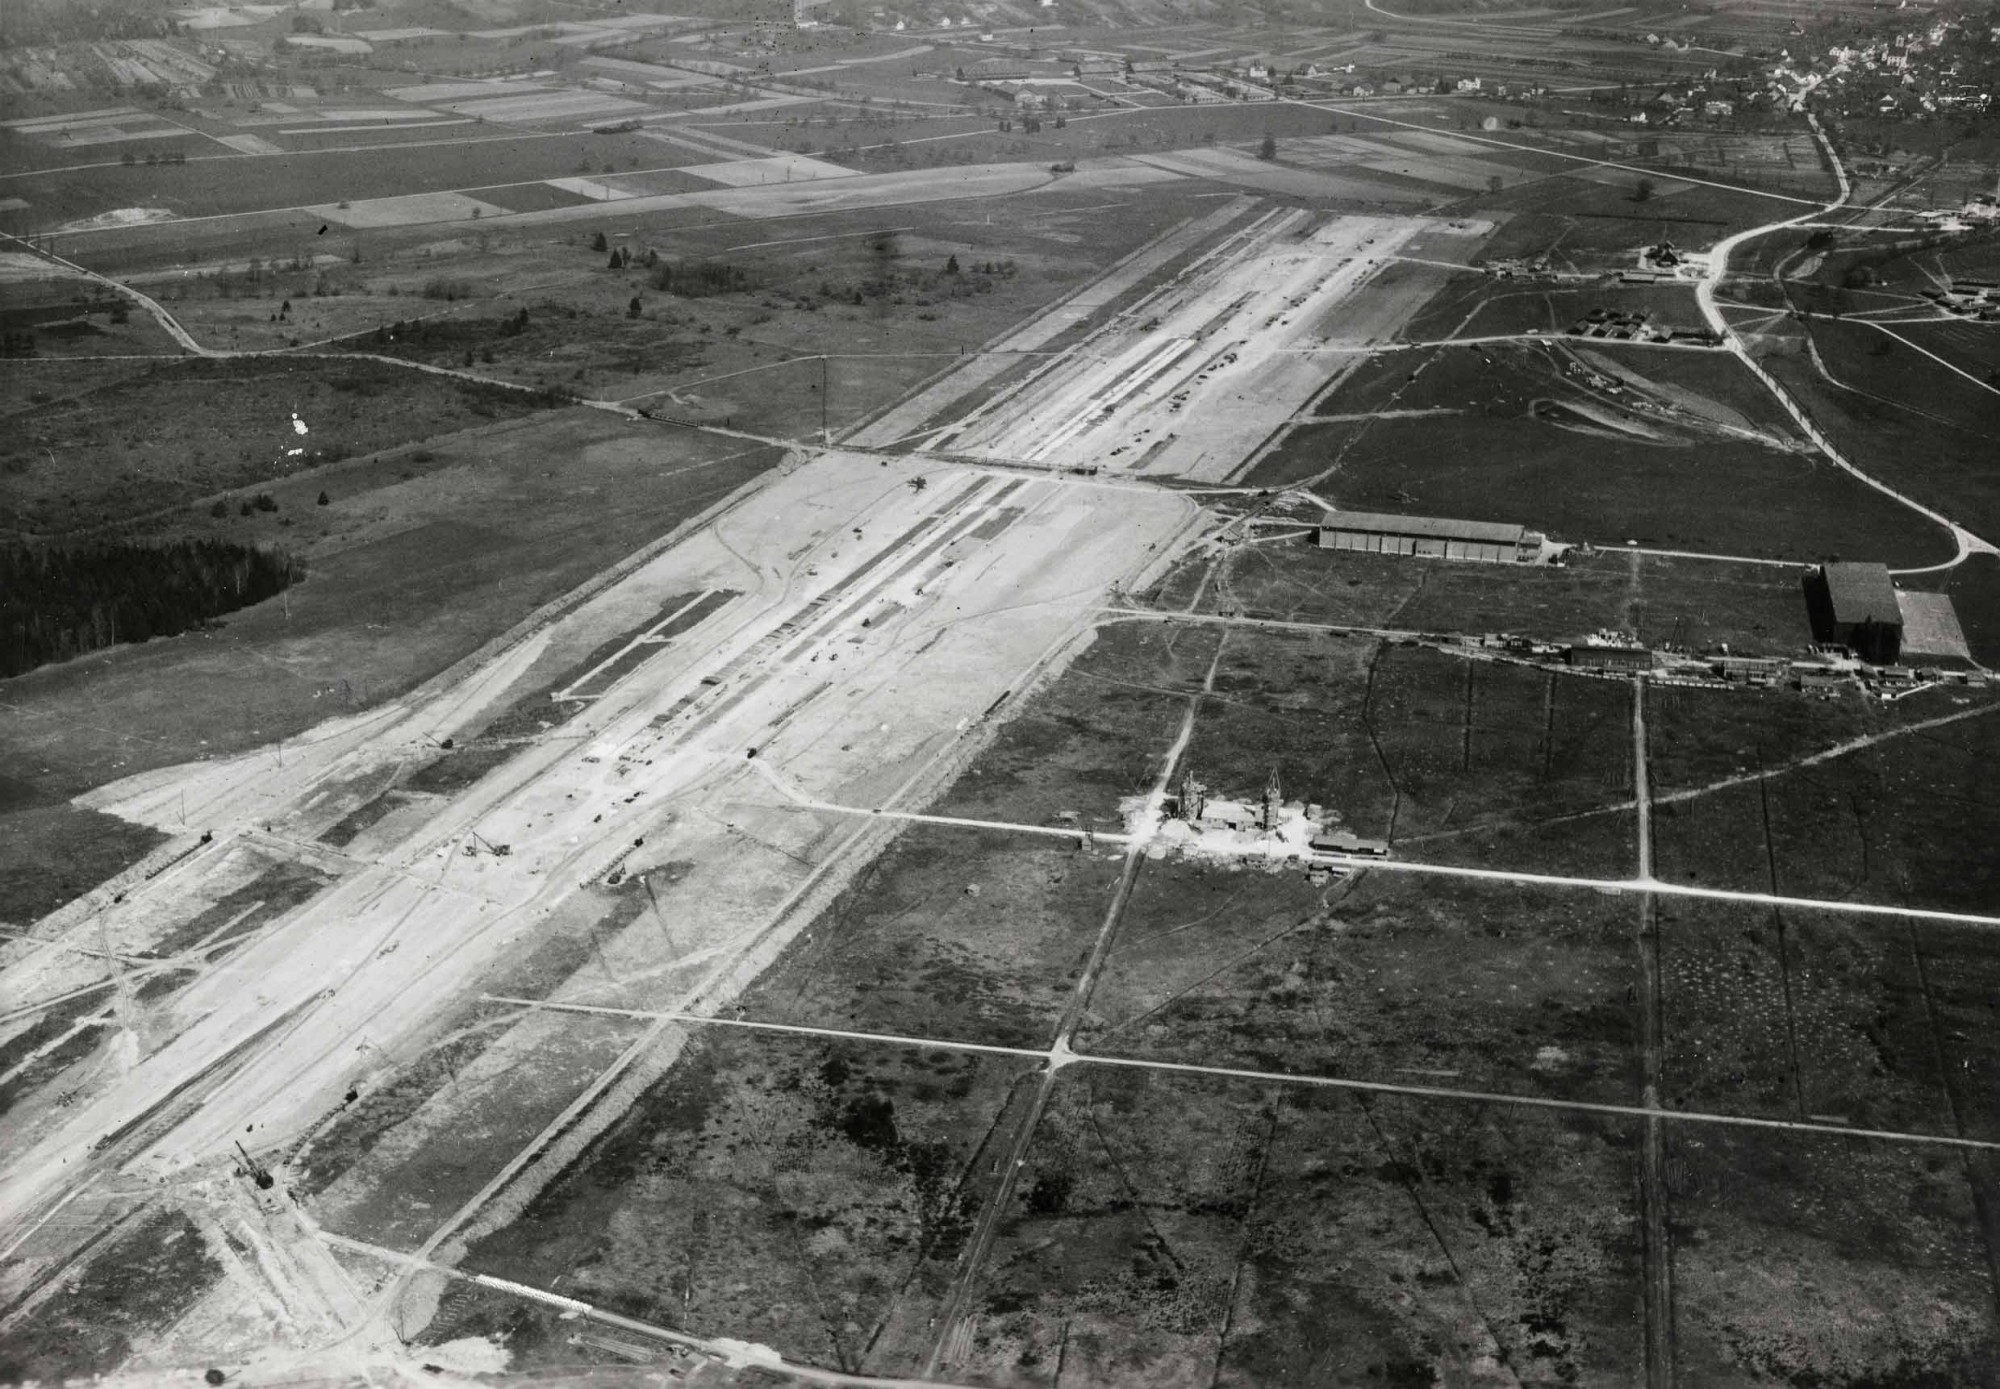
{"x":1377,"y":533}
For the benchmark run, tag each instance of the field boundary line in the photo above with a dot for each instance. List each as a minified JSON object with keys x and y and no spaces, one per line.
{"x":1063,"y":1056}
{"x":1556,"y":154}
{"x":1354,"y":862}
{"x":1884,"y":328}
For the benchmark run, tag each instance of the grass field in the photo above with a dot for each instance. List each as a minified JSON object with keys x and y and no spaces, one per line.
{"x":1481,"y":305}
{"x":1516,"y":440}
{"x":234,"y":429}
{"x":1094,"y":737}
{"x":1899,"y":1288}
{"x":157,"y":1267}
{"x":1796,"y":1014}
{"x":1903,"y":418}
{"x":1972,"y":348}
{"x":1711,"y":385}
{"x":980,"y":936}
{"x":1406,"y":742}
{"x":1697,"y":603}
{"x":1179,"y":1231}
{"x":1903,"y":821}
{"x":871,"y":290}
{"x":1725,"y":498}
{"x":402,"y":1171}
{"x":808,"y":1195}
{"x":1485,"y":987}
{"x":57,"y":852}
{"x":446,"y":545}
{"x":952,"y":933}
{"x":77,"y":329}
{"x":1975,"y":593}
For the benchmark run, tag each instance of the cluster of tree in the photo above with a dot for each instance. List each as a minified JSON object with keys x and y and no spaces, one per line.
{"x":60,"y":601}
{"x":622,"y":257}
{"x":697,"y":279}
{"x":423,"y":330}
{"x":1030,"y":125}
{"x":17,"y":342}
{"x":263,"y":501}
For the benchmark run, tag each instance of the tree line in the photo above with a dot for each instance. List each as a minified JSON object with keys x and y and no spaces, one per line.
{"x":61,"y":601}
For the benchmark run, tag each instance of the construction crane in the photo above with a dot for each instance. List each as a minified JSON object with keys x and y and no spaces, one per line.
{"x":254,"y":1169}
{"x":476,"y":841}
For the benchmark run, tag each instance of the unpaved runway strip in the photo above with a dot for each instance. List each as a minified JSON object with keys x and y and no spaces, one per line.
{"x":850,"y":629}
{"x":876,"y":621}
{"x":1185,"y":382}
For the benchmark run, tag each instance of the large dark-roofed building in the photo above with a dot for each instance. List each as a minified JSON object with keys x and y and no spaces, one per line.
{"x":1855,"y":606}
{"x":1378,"y":533}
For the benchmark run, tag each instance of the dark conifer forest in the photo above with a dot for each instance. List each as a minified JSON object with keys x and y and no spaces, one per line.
{"x":61,"y":601}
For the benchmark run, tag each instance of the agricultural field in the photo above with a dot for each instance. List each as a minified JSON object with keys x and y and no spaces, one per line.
{"x":215,"y":183}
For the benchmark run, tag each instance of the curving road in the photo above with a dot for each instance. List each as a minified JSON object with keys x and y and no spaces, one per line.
{"x":1718,"y":268}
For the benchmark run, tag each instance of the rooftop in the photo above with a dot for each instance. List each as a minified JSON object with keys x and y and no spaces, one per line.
{"x":1862,"y":593}
{"x":1442,"y":528}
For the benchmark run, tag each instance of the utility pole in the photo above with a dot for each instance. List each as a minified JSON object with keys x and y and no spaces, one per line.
{"x":120,"y":1001}
{"x":646,"y":881}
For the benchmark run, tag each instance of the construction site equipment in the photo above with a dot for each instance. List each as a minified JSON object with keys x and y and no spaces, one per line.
{"x":256,"y":1170}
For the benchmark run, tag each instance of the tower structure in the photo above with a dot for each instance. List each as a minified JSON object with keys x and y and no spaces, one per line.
{"x":1193,"y":797}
